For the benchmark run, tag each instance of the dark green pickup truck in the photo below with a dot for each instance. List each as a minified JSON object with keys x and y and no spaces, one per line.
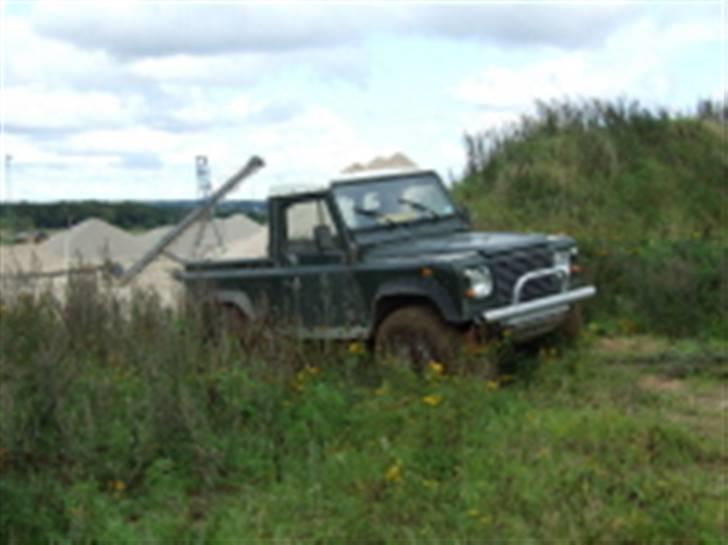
{"x":388,"y":258}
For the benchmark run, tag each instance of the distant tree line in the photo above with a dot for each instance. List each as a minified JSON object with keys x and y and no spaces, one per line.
{"x":127,"y":215}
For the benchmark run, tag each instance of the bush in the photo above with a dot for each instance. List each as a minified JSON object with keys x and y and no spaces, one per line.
{"x":674,"y":288}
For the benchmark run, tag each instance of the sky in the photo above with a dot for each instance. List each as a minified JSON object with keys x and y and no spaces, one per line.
{"x":114,"y":99}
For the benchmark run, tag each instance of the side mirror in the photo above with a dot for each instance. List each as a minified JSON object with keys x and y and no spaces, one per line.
{"x":323,"y":237}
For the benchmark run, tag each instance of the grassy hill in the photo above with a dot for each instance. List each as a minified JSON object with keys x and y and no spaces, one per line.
{"x":643,"y":191}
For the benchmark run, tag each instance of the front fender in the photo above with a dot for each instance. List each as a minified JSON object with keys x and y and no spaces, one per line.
{"x":420,"y":288}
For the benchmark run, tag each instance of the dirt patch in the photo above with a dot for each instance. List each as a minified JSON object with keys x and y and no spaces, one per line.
{"x":656,"y":383}
{"x":639,"y":345}
{"x":706,"y":401}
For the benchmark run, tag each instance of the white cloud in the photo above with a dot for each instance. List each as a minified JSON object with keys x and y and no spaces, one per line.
{"x":212,"y":69}
{"x":31,"y":107}
{"x":38,"y":60}
{"x":145,"y":29}
{"x":636,"y":62}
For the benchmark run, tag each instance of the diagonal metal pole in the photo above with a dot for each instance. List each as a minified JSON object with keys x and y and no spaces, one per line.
{"x":254,"y":164}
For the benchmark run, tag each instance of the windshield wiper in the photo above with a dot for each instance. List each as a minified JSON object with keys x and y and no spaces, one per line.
{"x":419,"y":206}
{"x":366,"y":212}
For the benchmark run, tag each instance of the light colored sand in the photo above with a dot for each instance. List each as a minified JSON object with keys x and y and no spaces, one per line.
{"x":27,"y":258}
{"x":92,"y":241}
{"x":230,"y":230}
{"x":398,"y":160}
{"x":158,"y":277}
{"x":248,"y":247}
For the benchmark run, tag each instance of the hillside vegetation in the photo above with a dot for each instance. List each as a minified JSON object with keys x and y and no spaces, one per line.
{"x":644,"y":192}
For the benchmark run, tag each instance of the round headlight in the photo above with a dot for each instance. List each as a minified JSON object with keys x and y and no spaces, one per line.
{"x":481,"y":281}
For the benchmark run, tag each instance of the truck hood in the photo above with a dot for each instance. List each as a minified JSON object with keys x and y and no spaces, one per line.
{"x":484,"y":243}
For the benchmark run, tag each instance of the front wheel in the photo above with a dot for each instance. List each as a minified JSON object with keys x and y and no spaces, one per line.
{"x":415,"y":336}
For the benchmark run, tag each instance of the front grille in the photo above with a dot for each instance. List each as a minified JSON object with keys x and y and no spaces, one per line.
{"x":508,"y":267}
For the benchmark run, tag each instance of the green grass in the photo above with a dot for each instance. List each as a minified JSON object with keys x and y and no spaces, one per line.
{"x":124,"y":427}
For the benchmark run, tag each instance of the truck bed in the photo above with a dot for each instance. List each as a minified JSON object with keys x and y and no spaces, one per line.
{"x":225,"y":264}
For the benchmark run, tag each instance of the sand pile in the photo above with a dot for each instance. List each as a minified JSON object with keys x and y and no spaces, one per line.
{"x":396,"y":161}
{"x":92,"y":241}
{"x":28,"y":258}
{"x":230,"y":231}
{"x":254,"y":246}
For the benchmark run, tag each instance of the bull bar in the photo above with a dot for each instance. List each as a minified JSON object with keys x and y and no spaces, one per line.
{"x":541,"y":306}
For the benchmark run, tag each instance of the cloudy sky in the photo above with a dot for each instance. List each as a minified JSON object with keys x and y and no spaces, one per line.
{"x":113,"y":99}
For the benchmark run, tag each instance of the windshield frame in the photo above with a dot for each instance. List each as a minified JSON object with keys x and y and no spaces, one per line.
{"x":389,"y":223}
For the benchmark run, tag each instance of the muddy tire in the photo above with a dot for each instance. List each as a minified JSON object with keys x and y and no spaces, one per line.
{"x":415,"y":336}
{"x":234,"y":321}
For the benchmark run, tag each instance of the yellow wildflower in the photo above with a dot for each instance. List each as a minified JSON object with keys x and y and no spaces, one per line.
{"x":394,"y":472}
{"x":492,"y":385}
{"x":433,"y":400}
{"x":436,"y":368}
{"x":356,"y":348}
{"x":505,"y":379}
{"x":473,"y":513}
{"x":118,"y":486}
{"x":312,"y":370}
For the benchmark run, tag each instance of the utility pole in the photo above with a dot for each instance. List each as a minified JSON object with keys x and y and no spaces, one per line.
{"x":8,"y":168}
{"x":8,"y":195}
{"x":204,"y":191}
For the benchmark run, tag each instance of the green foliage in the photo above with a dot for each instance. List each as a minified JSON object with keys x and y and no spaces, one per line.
{"x":122,"y":422}
{"x":643,"y":192}
{"x":125,"y":214}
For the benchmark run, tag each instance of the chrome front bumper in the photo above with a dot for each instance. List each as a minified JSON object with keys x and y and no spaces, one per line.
{"x":539,"y":316}
{"x":558,"y":303}
{"x":532,"y":319}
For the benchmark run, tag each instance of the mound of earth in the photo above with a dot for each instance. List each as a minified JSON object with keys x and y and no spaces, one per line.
{"x":215,"y":237}
{"x":93,"y":240}
{"x":396,"y":161}
{"x":27,"y":258}
{"x":249,"y":247}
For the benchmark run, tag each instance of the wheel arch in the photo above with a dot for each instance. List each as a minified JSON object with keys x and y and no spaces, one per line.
{"x":236,"y":299}
{"x":393,"y":296}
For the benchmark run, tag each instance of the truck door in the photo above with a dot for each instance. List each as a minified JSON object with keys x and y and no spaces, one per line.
{"x":320,"y":282}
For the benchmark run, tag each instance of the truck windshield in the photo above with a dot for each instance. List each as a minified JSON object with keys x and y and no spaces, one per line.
{"x":389,"y":201}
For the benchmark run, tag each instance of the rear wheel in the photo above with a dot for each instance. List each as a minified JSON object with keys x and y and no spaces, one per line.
{"x":415,"y":336}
